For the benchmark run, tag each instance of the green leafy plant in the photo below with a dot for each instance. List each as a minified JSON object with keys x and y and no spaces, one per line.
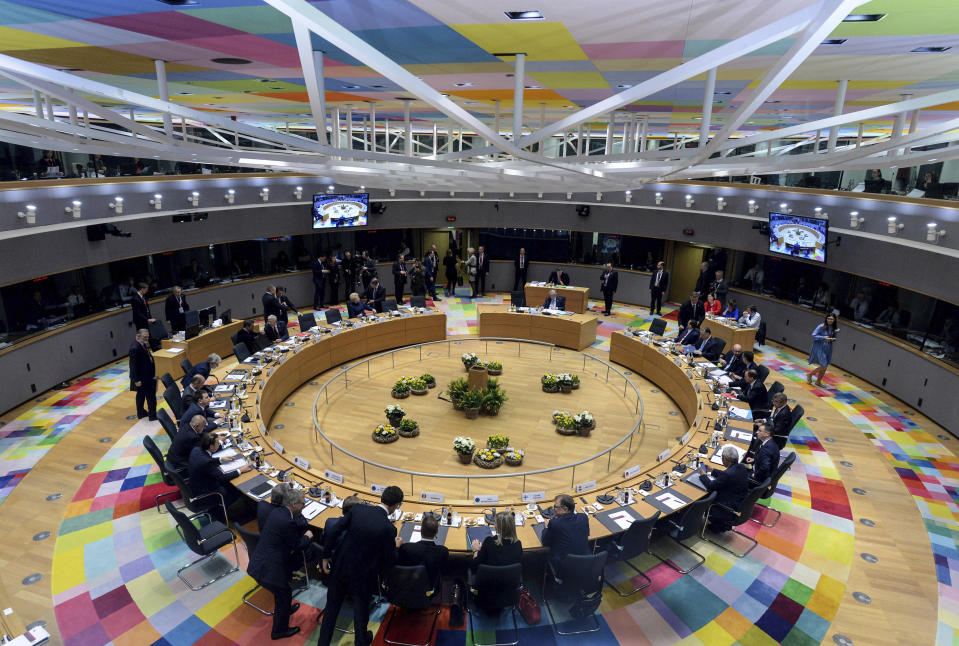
{"x":493,"y":397}
{"x":472,"y":399}
{"x":497,"y":441}
{"x":428,"y":379}
{"x":456,"y":389}
{"x":418,"y":384}
{"x":401,"y":386}
{"x":407,"y":424}
{"x":464,"y":445}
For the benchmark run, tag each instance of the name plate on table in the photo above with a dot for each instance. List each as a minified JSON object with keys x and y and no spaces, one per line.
{"x":685,"y":438}
{"x":297,"y":349}
{"x":262,"y":427}
{"x":585,"y":486}
{"x":432,"y":496}
{"x":663,"y":456}
{"x":738,"y":435}
{"x":534,"y":496}
{"x":277,"y":447}
{"x":333,"y":476}
{"x":300,"y":462}
{"x":678,"y":362}
{"x":696,"y":385}
{"x":262,"y":381}
{"x":486,"y":499}
{"x":631,"y":471}
{"x":377,"y":489}
{"x":269,"y":372}
{"x":689,"y":374}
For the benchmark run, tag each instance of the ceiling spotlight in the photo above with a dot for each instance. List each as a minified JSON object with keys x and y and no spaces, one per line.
{"x":539,"y":195}
{"x":422,"y":193}
{"x":689,"y":201}
{"x":117,"y":205}
{"x":482,"y":193}
{"x":193,"y":198}
{"x":511,"y":194}
{"x":720,"y":203}
{"x":629,"y":196}
{"x":569,"y":196}
{"x":392,"y":192}
{"x":330,"y":188}
{"x":298,"y":192}
{"x":659,"y":198}
{"x":599,"y":196}
{"x":452,"y":193}
{"x":932,"y":235}
{"x":75,"y":209}
{"x":230,"y":196}
{"x":785,"y":208}
{"x":820,"y":213}
{"x":753,"y":207}
{"x":623,"y":86}
{"x":464,"y":84}
{"x":265,"y":194}
{"x":362,"y":188}
{"x":524,"y":15}
{"x":157,"y":201}
{"x":854,"y":220}
{"x":894,"y":227}
{"x":30,"y":215}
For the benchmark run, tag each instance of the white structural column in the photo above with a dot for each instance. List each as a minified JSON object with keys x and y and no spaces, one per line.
{"x":644,"y":133}
{"x":609,"y":133}
{"x":349,"y":126}
{"x":320,"y":76}
{"x":37,"y":105}
{"x":164,"y":94}
{"x":408,"y":126}
{"x":900,"y":124}
{"x":707,"y":107}
{"x":913,"y":121}
{"x":519,"y":83}
{"x":372,"y":126}
{"x":836,"y":111}
{"x":335,"y":132}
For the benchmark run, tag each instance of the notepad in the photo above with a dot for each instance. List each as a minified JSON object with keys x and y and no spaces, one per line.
{"x":312,"y":510}
{"x":622,"y":519}
{"x":174,"y":350}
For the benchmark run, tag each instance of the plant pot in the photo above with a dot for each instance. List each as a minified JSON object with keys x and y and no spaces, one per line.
{"x":566,"y":388}
{"x":394,"y":420}
{"x":576,"y":386}
{"x":487,"y":465}
{"x":471,"y":413}
{"x":514,"y":462}
{"x":465,"y":458}
{"x":413,"y":433}
{"x":385,"y":440}
{"x":496,"y":448}
{"x":397,"y":395}
{"x":566,"y":431}
{"x":492,"y":372}
{"x":416,"y":391}
{"x":493,"y":412}
{"x":584,"y":432}
{"x":550,"y":389}
{"x":432,"y":385}
{"x":457,"y":406}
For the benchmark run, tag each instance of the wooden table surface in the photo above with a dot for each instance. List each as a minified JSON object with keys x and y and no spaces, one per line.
{"x":576,"y":331}
{"x":577,"y":298}
{"x":212,"y":340}
{"x":727,"y":330}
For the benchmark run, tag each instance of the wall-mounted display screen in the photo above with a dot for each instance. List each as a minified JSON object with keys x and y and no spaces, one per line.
{"x":797,"y":236}
{"x":340,"y":210}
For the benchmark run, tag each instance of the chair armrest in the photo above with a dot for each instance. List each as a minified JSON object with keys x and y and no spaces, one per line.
{"x":225,"y":530}
{"x":212,"y":493}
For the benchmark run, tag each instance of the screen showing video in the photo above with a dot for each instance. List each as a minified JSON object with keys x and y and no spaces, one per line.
{"x":797,"y":236}
{"x":343,"y":210}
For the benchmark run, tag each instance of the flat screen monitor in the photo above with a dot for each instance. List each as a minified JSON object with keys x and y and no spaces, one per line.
{"x":798,"y":236}
{"x":226,"y":316}
{"x":192,"y":331}
{"x":340,"y":210}
{"x":191,"y":318}
{"x":207,"y":315}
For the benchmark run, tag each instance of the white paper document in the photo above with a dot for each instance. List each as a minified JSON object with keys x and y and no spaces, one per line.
{"x":622,"y":519}
{"x":312,"y":510}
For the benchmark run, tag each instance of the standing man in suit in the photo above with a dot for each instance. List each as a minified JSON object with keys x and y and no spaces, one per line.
{"x":399,"y":278}
{"x":350,"y":272}
{"x":558,"y":277}
{"x":287,"y":305}
{"x":521,"y":269}
{"x":175,"y":306}
{"x":754,"y":392}
{"x":430,"y":263}
{"x":691,"y":310}
{"x":374,"y":295}
{"x":206,"y":477}
{"x":425,"y":551}
{"x":554,"y":302}
{"x":143,"y":375}
{"x":566,"y":532}
{"x":609,"y":281}
{"x":780,"y":417}
{"x":278,"y":553}
{"x":705,"y":278}
{"x":658,"y":284}
{"x":367,"y":270}
{"x":731,"y":486}
{"x":720,"y":287}
{"x":766,"y":460}
{"x":320,"y":272}
{"x":141,"y":309}
{"x":482,"y":270}
{"x":333,"y":279}
{"x":271,"y":304}
{"x":365,"y":543}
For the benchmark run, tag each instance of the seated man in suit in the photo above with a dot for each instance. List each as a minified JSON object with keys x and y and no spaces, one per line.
{"x":780,"y":417}
{"x":739,"y":376}
{"x":766,"y":460}
{"x":204,"y":368}
{"x":754,"y":392}
{"x":554,"y":302}
{"x":206,"y":477}
{"x":425,"y":551}
{"x":356,"y":308}
{"x":690,"y":335}
{"x":178,"y":456}
{"x":731,"y":486}
{"x":275,"y":331}
{"x":693,"y":309}
{"x":200,"y":407}
{"x":732,"y":362}
{"x":192,"y":391}
{"x":247,"y":336}
{"x":707,"y":346}
{"x":558,"y":277}
{"x":566,"y":532}
{"x":375,"y":295}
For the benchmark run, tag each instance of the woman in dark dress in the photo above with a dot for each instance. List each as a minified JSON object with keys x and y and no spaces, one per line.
{"x":449,"y":263}
{"x":502,"y":549}
{"x":417,"y":280}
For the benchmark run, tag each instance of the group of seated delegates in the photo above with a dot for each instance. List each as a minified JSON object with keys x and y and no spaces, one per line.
{"x":204,"y":369}
{"x":207,"y":478}
{"x":274,"y":330}
{"x":700,"y":344}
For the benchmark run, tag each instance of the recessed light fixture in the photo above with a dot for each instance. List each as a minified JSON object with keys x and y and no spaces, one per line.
{"x":177,"y":3}
{"x":929,"y":50}
{"x":185,"y":93}
{"x":229,"y":60}
{"x":351,"y":87}
{"x":864,"y":17}
{"x":524,"y":15}
{"x":772,"y":101}
{"x":463,"y":84}
{"x":533,"y":87}
{"x":378,"y":87}
{"x":623,"y":86}
{"x":723,"y":92}
{"x":833,"y":41}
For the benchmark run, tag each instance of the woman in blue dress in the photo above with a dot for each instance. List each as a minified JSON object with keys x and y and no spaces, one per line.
{"x":820,"y":354}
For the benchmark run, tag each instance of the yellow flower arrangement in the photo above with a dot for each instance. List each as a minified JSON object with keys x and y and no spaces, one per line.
{"x":497,"y":441}
{"x":385,"y":430}
{"x":488,"y":455}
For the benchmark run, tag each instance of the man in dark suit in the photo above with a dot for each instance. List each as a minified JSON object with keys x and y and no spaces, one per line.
{"x":399,"y":278}
{"x":375,"y":295}
{"x":247,"y":336}
{"x":430,"y":264}
{"x":284,"y":317}
{"x":204,"y":368}
{"x":320,"y":273}
{"x":739,"y":377}
{"x":482,"y":269}
{"x":206,"y":477}
{"x":521,"y":269}
{"x":691,"y":310}
{"x":175,"y":305}
{"x":178,"y":456}
{"x":425,"y":551}
{"x":141,"y":309}
{"x":271,"y":304}
{"x":705,"y":278}
{"x":275,"y":331}
{"x":780,"y":417}
{"x":731,"y":486}
{"x":708,"y":346}
{"x":143,"y":375}
{"x":690,"y":335}
{"x":732,"y":361}
{"x":367,"y":270}
{"x":558,"y":277}
{"x":754,"y":392}
{"x":365,"y":544}
{"x":200,"y":407}
{"x":192,"y":391}
{"x":658,"y":284}
{"x":720,"y":288}
{"x":278,"y":552}
{"x":609,"y":281}
{"x":554,"y":302}
{"x":350,"y":267}
{"x":566,"y":532}
{"x":766,"y":460}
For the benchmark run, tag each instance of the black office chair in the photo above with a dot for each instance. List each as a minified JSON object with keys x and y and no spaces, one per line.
{"x":775,"y":388}
{"x":580,"y":580}
{"x":720,"y":346}
{"x":167,"y":423}
{"x":743,"y":514}
{"x":417,"y":301}
{"x":205,"y":541}
{"x":174,"y":400}
{"x":389,"y":305}
{"x":250,"y":539}
{"x":761,"y":333}
{"x":780,"y":471}
{"x":658,"y":326}
{"x":763,"y":372}
{"x":235,"y":338}
{"x":333,"y":315}
{"x":630,"y":544}
{"x":196,"y":505}
{"x":409,"y":587}
{"x":689,"y":523}
{"x":167,"y":380}
{"x":157,"y":456}
{"x":241,"y":352}
{"x":186,"y":366}
{"x":518,"y":298}
{"x":158,"y":331}
{"x":307,"y":321}
{"x":492,"y":589}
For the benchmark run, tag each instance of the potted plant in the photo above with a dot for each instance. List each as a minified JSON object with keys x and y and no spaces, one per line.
{"x":488,"y":458}
{"x":464,"y":447}
{"x":575,"y":379}
{"x":514,"y":457}
{"x":469,"y":360}
{"x":493,"y":398}
{"x":408,"y":427}
{"x":384,"y":434}
{"x":429,"y":379}
{"x":401,"y":389}
{"x":497,"y":441}
{"x":565,"y":381}
{"x":565,"y":424}
{"x":550,"y":383}
{"x":394,"y":413}
{"x":471,"y":402}
{"x":418,"y":386}
{"x":494,"y":367}
{"x":584,"y":422}
{"x":455,"y":391}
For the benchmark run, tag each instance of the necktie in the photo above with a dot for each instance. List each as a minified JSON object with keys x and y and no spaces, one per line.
{"x":522,"y":261}
{"x":659,"y":276}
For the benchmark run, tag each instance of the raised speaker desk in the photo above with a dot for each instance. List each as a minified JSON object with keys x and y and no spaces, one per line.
{"x":212,"y":340}
{"x":730,"y":332}
{"x":576,"y":331}
{"x":577,"y":298}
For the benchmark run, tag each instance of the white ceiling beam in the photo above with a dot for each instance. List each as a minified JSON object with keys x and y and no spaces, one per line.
{"x":312,"y":64}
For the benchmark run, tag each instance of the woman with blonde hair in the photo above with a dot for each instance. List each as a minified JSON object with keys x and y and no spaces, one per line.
{"x":471,"y":265}
{"x":502,"y":549}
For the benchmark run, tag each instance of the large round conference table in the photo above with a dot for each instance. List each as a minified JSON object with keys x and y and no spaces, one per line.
{"x":317,"y":354}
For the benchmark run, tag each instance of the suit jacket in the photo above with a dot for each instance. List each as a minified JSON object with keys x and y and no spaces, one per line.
{"x":429,"y":267}
{"x":376,"y":297}
{"x":179,"y":454}
{"x":278,"y":334}
{"x":560,"y":303}
{"x":735,"y":365}
{"x":567,"y":534}
{"x":687,"y":312}
{"x":562,"y":279}
{"x":364,"y":542}
{"x":248,"y":339}
{"x":482,"y":266}
{"x":194,"y":409}
{"x":141,"y":312}
{"x":611,"y":283}
{"x":271,"y":305}
{"x":398,"y":278}
{"x":492,"y":554}
{"x":688,"y":337}
{"x":189,"y":396}
{"x":202,"y":368}
{"x":174,"y":314}
{"x":721,"y":289}
{"x":205,"y":475}
{"x":283,"y":316}
{"x":766,"y":461}
{"x":525,"y":262}
{"x":319,"y":278}
{"x":142,"y":367}
{"x":781,"y":420}
{"x":425,"y":552}
{"x":663,"y":281}
{"x":731,"y":486}
{"x":710,"y":348}
{"x":756,"y":396}
{"x":354,"y":310}
{"x":263,"y":510}
{"x":704,"y":281}
{"x":282,"y":539}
